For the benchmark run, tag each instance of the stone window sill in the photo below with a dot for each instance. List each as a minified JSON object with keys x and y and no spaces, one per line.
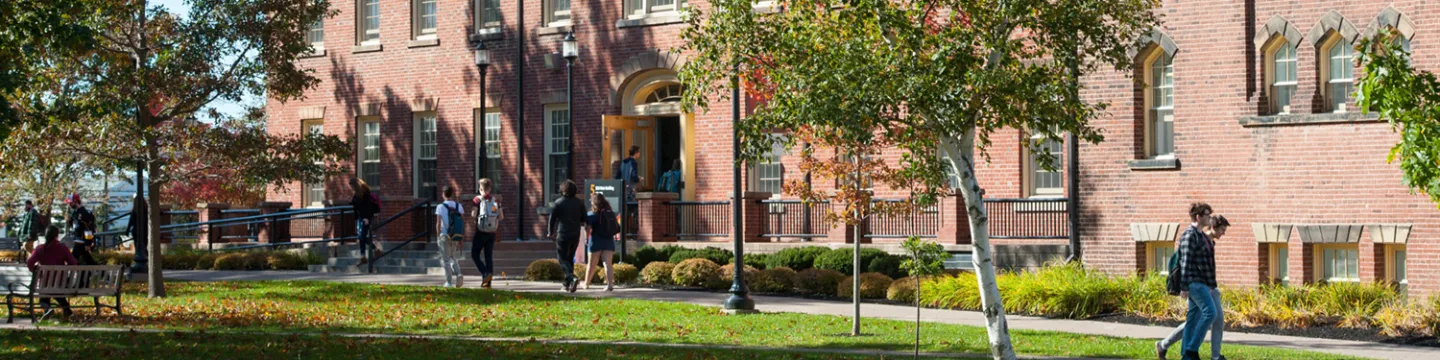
{"x":1308,"y":119}
{"x":1155,"y":164}
{"x":487,"y":34}
{"x":554,"y":30}
{"x":367,"y":48}
{"x":665,"y":18}
{"x":419,"y":43}
{"x":313,"y":53}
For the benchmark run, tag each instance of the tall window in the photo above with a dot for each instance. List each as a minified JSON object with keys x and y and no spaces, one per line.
{"x":1396,"y":270}
{"x":1339,"y":263}
{"x":423,"y":18}
{"x":1280,"y":263}
{"x":487,"y":14}
{"x":557,"y":149}
{"x":1338,"y":73}
{"x":490,"y":152}
{"x":769,"y":174}
{"x":1283,"y":76}
{"x":316,"y":35}
{"x":425,"y":144}
{"x":314,"y":195}
{"x":558,"y":13}
{"x":1158,"y":256}
{"x":1161,"y":125}
{"x":1043,"y":182}
{"x":369,"y":29}
{"x":370,"y":152}
{"x":641,"y":8}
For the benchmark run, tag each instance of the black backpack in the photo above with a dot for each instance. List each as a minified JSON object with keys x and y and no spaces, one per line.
{"x":608,"y":225}
{"x":1172,"y":284}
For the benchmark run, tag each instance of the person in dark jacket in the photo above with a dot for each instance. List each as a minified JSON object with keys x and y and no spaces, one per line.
{"x":1197,"y":272}
{"x":52,"y":252}
{"x":567,"y":217}
{"x":601,"y":224}
{"x":366,"y":205}
{"x":1217,"y":326}
{"x":31,"y":226}
{"x":82,"y":230}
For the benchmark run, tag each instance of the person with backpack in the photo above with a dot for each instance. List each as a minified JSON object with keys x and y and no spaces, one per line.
{"x":567,"y":217}
{"x":82,"y":230}
{"x":366,"y":205}
{"x":1193,"y":278}
{"x":670,"y":181}
{"x":602,"y":224}
{"x":487,"y":226}
{"x":1217,"y":326}
{"x":450,"y":219}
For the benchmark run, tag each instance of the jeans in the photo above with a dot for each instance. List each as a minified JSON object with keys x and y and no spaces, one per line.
{"x":448,"y":246}
{"x":1203,"y":306}
{"x":362,"y":236}
{"x":1217,"y":328}
{"x":81,"y":252}
{"x":565,"y":246}
{"x":484,"y":243}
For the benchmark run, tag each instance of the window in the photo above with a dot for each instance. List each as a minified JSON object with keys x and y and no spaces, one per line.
{"x":369,"y":29}
{"x":423,"y":17}
{"x":558,"y":13}
{"x":641,"y":8}
{"x":370,"y":152}
{"x":1280,"y":263}
{"x":1160,"y":124}
{"x":425,"y":144}
{"x":1157,"y":255}
{"x":487,"y":14}
{"x":557,"y":149}
{"x":1395,"y":269}
{"x":950,"y":173}
{"x":1282,"y":75}
{"x":490,"y":152}
{"x":1039,"y":181}
{"x":1337,"y":72}
{"x":316,"y":36}
{"x":666,"y":94}
{"x":314,"y":194}
{"x":769,"y":174}
{"x":1338,"y":262}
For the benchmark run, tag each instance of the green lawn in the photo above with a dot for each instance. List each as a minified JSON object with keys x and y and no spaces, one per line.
{"x":316,"y":307}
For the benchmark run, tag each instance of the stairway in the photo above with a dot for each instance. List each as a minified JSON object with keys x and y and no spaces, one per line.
{"x":511,"y":259}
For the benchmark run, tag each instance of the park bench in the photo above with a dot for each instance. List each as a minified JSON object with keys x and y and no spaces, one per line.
{"x":66,"y":281}
{"x":9,"y":243}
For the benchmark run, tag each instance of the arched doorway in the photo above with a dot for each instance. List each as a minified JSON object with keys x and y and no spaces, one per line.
{"x":652,"y":120}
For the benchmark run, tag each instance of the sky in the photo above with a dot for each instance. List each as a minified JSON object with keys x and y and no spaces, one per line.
{"x":179,"y":7}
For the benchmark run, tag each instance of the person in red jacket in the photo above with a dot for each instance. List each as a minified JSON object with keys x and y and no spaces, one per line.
{"x":51,"y":253}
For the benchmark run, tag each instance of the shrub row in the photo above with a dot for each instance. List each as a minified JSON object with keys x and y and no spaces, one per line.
{"x":797,"y":259}
{"x":252,"y":260}
{"x":550,"y":270}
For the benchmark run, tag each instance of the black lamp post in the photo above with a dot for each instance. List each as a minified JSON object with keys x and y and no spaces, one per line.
{"x":739,"y":301}
{"x":482,"y":60}
{"x":570,"y":50}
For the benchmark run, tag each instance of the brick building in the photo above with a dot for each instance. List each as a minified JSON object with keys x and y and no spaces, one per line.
{"x":1232,"y":103}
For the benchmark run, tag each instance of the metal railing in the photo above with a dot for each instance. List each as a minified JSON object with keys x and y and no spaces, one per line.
{"x":1028,"y":218}
{"x":697,"y":219}
{"x":250,"y":233}
{"x":923,"y":223}
{"x":795,"y":219}
{"x":183,"y":217}
{"x":423,"y":208}
{"x":632,"y":221}
{"x":176,"y":229}
{"x":111,"y":238}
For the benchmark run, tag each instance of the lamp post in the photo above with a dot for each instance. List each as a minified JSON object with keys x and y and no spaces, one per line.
{"x":739,"y":301}
{"x":570,"y":50}
{"x":482,"y":60}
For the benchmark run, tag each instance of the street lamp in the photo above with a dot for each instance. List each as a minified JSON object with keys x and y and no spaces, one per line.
{"x":570,"y":50}
{"x":739,"y":301}
{"x":482,"y":60}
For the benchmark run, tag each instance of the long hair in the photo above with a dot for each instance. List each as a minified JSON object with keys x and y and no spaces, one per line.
{"x":361,"y":188}
{"x":568,"y":189}
{"x":598,"y":203}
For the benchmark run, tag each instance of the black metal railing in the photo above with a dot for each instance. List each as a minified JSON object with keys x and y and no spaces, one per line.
{"x":922,"y":222}
{"x":180,"y":217}
{"x":697,"y":219}
{"x":632,"y":221}
{"x":421,"y":208}
{"x":111,"y":238}
{"x":177,"y":230}
{"x":1028,"y":218}
{"x":248,"y":233}
{"x":795,"y":219}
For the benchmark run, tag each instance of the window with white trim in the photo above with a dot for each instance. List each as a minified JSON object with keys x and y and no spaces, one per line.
{"x":1039,"y":181}
{"x":1282,"y":74}
{"x":425,"y":146}
{"x":316,"y":35}
{"x":368,"y":33}
{"x":1157,"y":255}
{"x":557,"y":13}
{"x":643,"y":8}
{"x":1280,"y":263}
{"x":370,"y":152}
{"x":557,"y":149}
{"x":1337,"y":72}
{"x":314,"y":194}
{"x":490,"y":150}
{"x":1396,"y":270}
{"x":423,"y":19}
{"x":1160,"y":122}
{"x":768,"y":175}
{"x":1338,"y":262}
{"x":487,"y":14}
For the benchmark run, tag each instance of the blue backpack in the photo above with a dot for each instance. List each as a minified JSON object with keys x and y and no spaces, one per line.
{"x":454,"y":222}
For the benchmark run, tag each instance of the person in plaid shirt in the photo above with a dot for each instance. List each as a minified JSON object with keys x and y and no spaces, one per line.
{"x":1197,"y":271}
{"x":1217,"y":326}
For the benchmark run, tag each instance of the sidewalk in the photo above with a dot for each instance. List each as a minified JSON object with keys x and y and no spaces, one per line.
{"x":808,"y":306}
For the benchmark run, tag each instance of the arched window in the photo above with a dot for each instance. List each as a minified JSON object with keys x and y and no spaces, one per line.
{"x":1160,"y":114}
{"x":665,"y":94}
{"x":1337,"y":72}
{"x":1280,"y":74}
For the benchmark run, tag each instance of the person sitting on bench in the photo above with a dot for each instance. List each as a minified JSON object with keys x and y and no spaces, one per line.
{"x":51,"y":253}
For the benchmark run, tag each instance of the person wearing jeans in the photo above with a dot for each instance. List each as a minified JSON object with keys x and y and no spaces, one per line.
{"x":482,"y":250}
{"x":1217,"y":326}
{"x":1197,"y":271}
{"x":366,"y":206}
{"x":452,"y":235}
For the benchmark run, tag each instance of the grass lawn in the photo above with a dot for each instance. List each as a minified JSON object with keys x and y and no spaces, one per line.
{"x":316,"y":307}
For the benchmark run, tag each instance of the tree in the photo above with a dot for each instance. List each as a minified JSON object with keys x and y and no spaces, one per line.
{"x":36,"y":32}
{"x":1409,"y":99}
{"x":33,"y":168}
{"x":926,"y":259}
{"x":925,"y":77}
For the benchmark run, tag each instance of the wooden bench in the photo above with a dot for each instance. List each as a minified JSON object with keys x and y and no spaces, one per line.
{"x":66,"y":281}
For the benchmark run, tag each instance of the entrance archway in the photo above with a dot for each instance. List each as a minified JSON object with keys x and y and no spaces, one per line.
{"x":653,"y":121}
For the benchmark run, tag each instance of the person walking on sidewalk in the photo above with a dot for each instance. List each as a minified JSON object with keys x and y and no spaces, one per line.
{"x":1197,"y":274}
{"x":31,"y":226}
{"x":450,"y":218}
{"x":602,"y":225}
{"x":567,"y":216}
{"x":52,"y":252}
{"x":366,"y":205}
{"x":487,"y":226}
{"x":82,"y":230}
{"x":1217,"y":326}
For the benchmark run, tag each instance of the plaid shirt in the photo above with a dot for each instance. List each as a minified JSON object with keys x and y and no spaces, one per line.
{"x":1197,"y":258}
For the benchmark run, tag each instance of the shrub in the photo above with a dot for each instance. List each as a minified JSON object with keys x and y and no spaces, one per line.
{"x":658,"y":273}
{"x":697,"y":273}
{"x":960,"y":291}
{"x":818,"y":281}
{"x":1344,"y":299}
{"x":841,"y":259}
{"x":257,"y":260}
{"x":756,"y":261}
{"x":715,"y":255}
{"x":206,"y":262}
{"x":179,"y":260}
{"x":1399,"y":318}
{"x":1068,"y":290}
{"x":232,"y":261}
{"x":902,"y":290}
{"x":727,"y":274}
{"x":625,"y":273}
{"x":281,"y":260}
{"x":888,"y":265}
{"x":540,"y":270}
{"x":774,"y":280}
{"x":872,"y":286}
{"x":1149,"y":299}
{"x":646,"y":255}
{"x":114,"y":258}
{"x":797,"y":259}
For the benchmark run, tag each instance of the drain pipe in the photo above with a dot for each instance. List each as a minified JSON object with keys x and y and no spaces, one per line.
{"x":1072,"y":202}
{"x":520,"y":123}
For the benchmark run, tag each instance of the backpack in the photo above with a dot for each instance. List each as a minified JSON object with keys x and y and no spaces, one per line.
{"x":670,"y":182}
{"x":1172,"y":284}
{"x":454,"y":222}
{"x":375,"y":202}
{"x":485,"y":218}
{"x":608,"y":225}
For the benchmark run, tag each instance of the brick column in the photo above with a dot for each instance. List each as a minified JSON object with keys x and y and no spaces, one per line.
{"x":275,"y":231}
{"x":954,"y":221}
{"x":164,"y":219}
{"x":1263,"y":271}
{"x":211,"y":212}
{"x":757,"y":216}
{"x":656,"y":217}
{"x":342,"y":225}
{"x":839,"y":232}
{"x":1306,"y":262}
{"x":1371,"y":261}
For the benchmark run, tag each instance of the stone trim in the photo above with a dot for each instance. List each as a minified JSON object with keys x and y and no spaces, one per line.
{"x":1391,"y":18}
{"x":313,"y":53}
{"x":552,"y":97}
{"x":1277,"y":26}
{"x":644,"y":61}
{"x":1332,"y":21}
{"x":366,"y":109}
{"x":1330,"y":233}
{"x":554,"y":30}
{"x":424,"y":43}
{"x":360,"y":49}
{"x":1272,"y":233}
{"x":1356,"y":117}
{"x":487,"y":34}
{"x":1390,"y":233}
{"x":1154,"y":164}
{"x":1151,"y":232}
{"x":312,"y":112}
{"x":426,"y":104}
{"x":1157,"y":38}
{"x":492,"y":99}
{"x":665,"y":18}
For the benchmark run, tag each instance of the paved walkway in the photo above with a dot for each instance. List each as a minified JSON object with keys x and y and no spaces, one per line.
{"x":895,"y":312}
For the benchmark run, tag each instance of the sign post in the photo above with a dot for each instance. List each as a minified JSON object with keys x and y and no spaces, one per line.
{"x":614,"y":192}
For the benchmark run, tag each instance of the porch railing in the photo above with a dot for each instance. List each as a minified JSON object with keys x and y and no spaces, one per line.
{"x":795,"y":219}
{"x":698,"y":219}
{"x":1028,"y":218}
{"x":923,"y":223}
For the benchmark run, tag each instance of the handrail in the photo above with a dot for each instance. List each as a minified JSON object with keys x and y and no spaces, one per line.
{"x":246,"y":219}
{"x":370,"y":263}
{"x":292,"y":243}
{"x":1026,"y":200}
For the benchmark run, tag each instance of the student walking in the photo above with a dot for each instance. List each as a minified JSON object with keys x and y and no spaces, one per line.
{"x":31,"y":226}
{"x":487,"y":225}
{"x":82,"y":230}
{"x":1217,"y":326}
{"x":366,"y":205}
{"x":450,"y":218}
{"x":567,"y":216}
{"x":52,"y":252}
{"x":602,"y":225}
{"x":1197,"y":276}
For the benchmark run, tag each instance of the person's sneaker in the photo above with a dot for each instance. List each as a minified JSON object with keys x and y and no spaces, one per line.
{"x":485,"y":282}
{"x":1220,"y":357}
{"x":459,"y":282}
{"x":447,"y":284}
{"x":1160,"y":350}
{"x":1190,"y":355}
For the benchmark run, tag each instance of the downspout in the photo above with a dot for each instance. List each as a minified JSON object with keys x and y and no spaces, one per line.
{"x":520,"y":127}
{"x":1072,"y":202}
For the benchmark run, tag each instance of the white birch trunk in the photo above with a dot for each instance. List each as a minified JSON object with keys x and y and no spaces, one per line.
{"x":961,"y":153}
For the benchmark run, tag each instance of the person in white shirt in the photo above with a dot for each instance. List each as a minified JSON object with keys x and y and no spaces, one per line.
{"x":450,"y":220}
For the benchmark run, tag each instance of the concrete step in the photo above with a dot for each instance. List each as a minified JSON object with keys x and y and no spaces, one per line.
{"x":335,"y":269}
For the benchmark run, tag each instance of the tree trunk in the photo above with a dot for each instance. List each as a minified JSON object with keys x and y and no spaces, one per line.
{"x":155,"y":279}
{"x":961,"y":153}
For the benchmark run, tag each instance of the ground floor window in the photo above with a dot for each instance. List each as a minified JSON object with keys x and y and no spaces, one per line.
{"x":1280,"y":263}
{"x":1338,"y":262}
{"x":557,"y":149}
{"x":370,"y":152}
{"x":768,"y":175}
{"x":425,"y":143}
{"x":1157,"y":256}
{"x":314,"y":194}
{"x":1395,"y":267}
{"x":489,"y":154}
